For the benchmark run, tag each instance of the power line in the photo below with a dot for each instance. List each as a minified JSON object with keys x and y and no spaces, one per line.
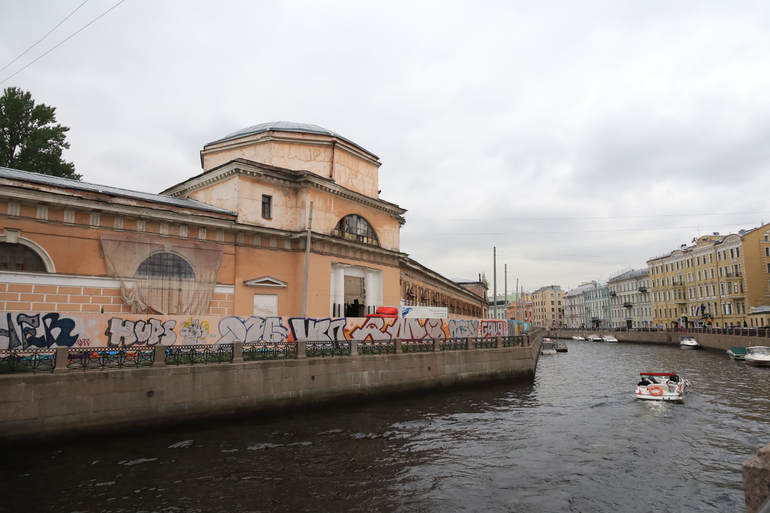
{"x":67,"y":39}
{"x":583,"y":217}
{"x":45,"y":36}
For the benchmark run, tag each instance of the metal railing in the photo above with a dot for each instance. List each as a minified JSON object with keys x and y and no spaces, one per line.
{"x":107,"y":358}
{"x":103,"y":358}
{"x":11,"y":360}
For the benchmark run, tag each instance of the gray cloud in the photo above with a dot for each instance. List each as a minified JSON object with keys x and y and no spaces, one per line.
{"x":579,"y":138}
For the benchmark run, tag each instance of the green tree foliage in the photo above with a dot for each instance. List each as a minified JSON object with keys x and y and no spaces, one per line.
{"x":29,"y":138}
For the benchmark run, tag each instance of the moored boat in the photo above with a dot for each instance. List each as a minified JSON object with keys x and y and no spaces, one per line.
{"x":577,"y":337}
{"x":661,"y":386}
{"x":688,"y":342}
{"x":758,"y":356}
{"x":560,"y":346}
{"x":547,"y":347}
{"x":610,"y":339}
{"x":737,"y":353}
{"x":594,"y":338}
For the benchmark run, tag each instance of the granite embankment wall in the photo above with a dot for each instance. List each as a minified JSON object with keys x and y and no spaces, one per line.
{"x":708,"y":340}
{"x":40,"y":404}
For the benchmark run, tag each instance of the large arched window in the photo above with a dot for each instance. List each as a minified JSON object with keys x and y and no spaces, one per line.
{"x":165,"y":265}
{"x":355,"y":227}
{"x":17,"y":257}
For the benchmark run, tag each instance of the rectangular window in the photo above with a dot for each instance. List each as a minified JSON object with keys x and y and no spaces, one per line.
{"x":767,"y":251}
{"x":267,"y":206}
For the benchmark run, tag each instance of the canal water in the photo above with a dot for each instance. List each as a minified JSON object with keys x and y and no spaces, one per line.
{"x":572,"y":440}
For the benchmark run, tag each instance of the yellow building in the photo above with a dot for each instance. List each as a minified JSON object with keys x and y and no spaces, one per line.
{"x":719,"y":281}
{"x":548,"y":307}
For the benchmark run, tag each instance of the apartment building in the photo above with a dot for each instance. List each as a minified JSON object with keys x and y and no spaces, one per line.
{"x":719,"y":281}
{"x":630,"y":299}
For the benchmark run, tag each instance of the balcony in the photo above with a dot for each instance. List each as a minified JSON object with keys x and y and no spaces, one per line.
{"x":628,"y":304}
{"x":643,"y":290}
{"x":613,"y":294}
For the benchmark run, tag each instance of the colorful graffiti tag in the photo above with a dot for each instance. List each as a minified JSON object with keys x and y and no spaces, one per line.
{"x":22,"y":330}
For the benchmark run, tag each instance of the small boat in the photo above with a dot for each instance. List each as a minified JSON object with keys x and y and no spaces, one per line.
{"x":610,"y":339}
{"x":737,"y":353}
{"x":688,"y":342}
{"x":577,"y":337}
{"x":661,"y":386}
{"x":547,"y":347}
{"x":560,"y":346}
{"x":758,"y":356}
{"x":594,"y":338}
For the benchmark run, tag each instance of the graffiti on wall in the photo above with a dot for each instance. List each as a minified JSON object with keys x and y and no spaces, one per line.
{"x":30,"y":330}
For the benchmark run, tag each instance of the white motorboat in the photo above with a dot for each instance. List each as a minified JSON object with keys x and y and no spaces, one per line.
{"x":661,"y":386}
{"x":560,"y":346}
{"x":577,"y":337}
{"x":737,"y":353}
{"x":594,"y":338}
{"x":547,"y":347}
{"x":610,"y":339}
{"x":688,"y":342}
{"x":758,"y":356}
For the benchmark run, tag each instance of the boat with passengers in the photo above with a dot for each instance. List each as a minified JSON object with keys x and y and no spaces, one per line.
{"x":661,"y":386}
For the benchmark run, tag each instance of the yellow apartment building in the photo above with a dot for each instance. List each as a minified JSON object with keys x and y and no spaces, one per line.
{"x":718,"y":281}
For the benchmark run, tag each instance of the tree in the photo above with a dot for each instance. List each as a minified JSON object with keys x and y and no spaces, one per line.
{"x":29,"y":138}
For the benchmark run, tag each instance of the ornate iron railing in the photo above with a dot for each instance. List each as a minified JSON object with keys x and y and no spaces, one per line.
{"x":409,"y":345}
{"x":103,"y":358}
{"x":190,"y":355}
{"x":25,"y":360}
{"x":269,"y":350}
{"x":484,"y":342}
{"x":513,"y":341}
{"x":376,"y":347}
{"x":315,"y":349}
{"x":454,"y":344}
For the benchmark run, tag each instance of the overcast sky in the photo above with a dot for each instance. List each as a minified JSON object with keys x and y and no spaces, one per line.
{"x":579,"y":138}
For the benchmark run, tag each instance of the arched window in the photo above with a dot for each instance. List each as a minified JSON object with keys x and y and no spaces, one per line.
{"x":355,"y":227}
{"x":17,"y":257}
{"x":165,"y":265}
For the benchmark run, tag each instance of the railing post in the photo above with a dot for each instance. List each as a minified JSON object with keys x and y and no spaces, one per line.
{"x":62,"y":359}
{"x":498,"y":341}
{"x":399,"y":349}
{"x":301,"y":349}
{"x":436,"y":345}
{"x":469,"y":343}
{"x":159,"y":358}
{"x":354,"y":348}
{"x":237,"y":351}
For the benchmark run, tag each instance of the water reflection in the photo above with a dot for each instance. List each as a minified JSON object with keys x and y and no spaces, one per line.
{"x":574,"y":439}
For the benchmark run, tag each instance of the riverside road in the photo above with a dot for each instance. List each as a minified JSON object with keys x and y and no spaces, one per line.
{"x":572,"y":440}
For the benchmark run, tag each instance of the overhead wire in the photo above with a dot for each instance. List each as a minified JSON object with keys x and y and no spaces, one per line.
{"x":45,"y":36}
{"x":64,"y":41}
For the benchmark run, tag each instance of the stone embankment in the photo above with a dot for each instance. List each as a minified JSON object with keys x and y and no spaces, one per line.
{"x":711,"y":340}
{"x":66,"y":401}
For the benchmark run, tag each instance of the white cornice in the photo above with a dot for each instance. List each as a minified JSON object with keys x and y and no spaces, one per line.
{"x":267,"y":137}
{"x":292,"y":179}
{"x":74,"y":280}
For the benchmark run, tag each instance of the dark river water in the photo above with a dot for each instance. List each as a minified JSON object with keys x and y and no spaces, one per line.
{"x":572,"y":440}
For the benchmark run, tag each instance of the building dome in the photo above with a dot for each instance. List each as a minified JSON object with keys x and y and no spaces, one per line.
{"x":287,"y":126}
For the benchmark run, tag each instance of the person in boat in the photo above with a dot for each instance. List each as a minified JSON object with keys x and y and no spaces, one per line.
{"x":644,"y":382}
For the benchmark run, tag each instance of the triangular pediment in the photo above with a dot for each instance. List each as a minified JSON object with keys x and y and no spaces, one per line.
{"x":266,"y":281}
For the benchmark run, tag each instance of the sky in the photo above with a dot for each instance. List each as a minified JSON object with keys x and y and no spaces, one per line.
{"x":567,"y":141}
